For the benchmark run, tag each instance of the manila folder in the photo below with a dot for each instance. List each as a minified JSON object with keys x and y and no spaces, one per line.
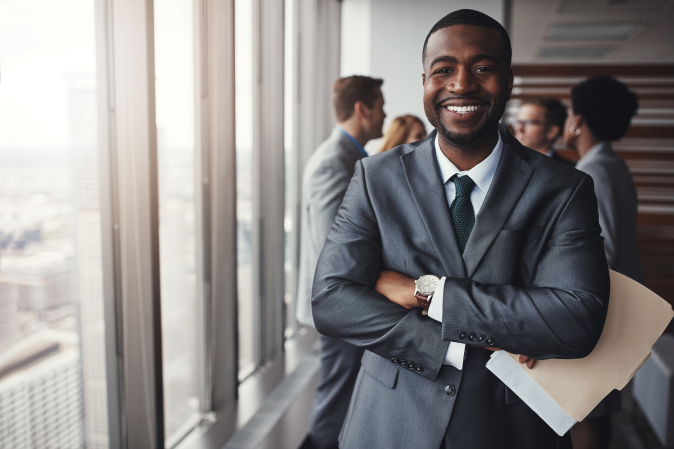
{"x":636,"y":318}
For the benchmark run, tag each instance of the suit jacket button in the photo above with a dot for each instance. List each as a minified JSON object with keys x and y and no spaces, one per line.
{"x":489,"y":341}
{"x":463,"y":335}
{"x":403,"y":363}
{"x":394,"y":360}
{"x":480,"y":338}
{"x":411,"y":365}
{"x":450,"y":390}
{"x":472,"y":337}
{"x":419,"y":369}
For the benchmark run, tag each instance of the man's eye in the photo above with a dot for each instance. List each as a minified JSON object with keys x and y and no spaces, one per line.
{"x":445,"y":70}
{"x":483,"y":69}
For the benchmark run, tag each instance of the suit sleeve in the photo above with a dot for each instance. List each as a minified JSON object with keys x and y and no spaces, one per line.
{"x":562,"y":313}
{"x":346,"y":307}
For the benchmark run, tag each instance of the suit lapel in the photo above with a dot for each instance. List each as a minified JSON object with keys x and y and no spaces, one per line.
{"x":510,"y":180}
{"x":423,"y":177}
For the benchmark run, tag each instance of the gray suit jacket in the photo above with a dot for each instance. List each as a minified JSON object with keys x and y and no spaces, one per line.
{"x":533,"y":280}
{"x":617,"y":199}
{"x":326,"y":178}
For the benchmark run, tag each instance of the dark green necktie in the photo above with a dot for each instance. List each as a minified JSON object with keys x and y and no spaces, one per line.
{"x":463,"y":214}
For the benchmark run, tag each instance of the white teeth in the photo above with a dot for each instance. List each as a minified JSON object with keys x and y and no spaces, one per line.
{"x":462,"y":109}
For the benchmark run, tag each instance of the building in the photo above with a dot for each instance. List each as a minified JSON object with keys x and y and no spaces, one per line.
{"x":40,"y":392}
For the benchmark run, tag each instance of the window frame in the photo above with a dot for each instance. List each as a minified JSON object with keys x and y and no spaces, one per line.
{"x":130,"y":207}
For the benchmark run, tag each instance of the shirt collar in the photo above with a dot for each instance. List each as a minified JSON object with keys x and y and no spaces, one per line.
{"x":593,"y":153}
{"x":482,"y":174}
{"x":550,"y":152}
{"x":598,"y":148}
{"x":354,"y":141}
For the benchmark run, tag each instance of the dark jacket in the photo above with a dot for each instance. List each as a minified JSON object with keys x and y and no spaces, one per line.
{"x":533,"y":280}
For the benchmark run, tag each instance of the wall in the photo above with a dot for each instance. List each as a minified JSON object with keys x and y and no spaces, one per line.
{"x":384,"y":39}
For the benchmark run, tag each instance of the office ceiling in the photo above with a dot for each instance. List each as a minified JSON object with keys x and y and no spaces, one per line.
{"x":592,"y":31}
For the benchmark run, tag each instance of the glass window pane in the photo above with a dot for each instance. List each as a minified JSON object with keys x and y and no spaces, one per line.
{"x":244,"y":181}
{"x":52,"y":340}
{"x":174,"y":70}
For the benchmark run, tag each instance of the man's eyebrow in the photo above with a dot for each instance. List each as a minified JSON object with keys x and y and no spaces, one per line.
{"x":473,"y":59}
{"x":480,"y":57}
{"x":446,"y":58}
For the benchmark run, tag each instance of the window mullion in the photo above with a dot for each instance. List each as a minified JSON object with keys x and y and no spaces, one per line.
{"x":269,"y":174}
{"x":131,"y":221}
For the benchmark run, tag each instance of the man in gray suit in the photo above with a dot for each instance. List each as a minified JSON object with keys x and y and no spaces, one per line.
{"x":601,"y":111}
{"x":358,"y":104}
{"x":516,"y":262}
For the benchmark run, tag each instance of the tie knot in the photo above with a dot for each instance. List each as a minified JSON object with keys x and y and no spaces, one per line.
{"x":464,"y":185}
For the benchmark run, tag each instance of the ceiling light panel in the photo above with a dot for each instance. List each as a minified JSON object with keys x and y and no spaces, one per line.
{"x":574,"y":52}
{"x":612,"y":6}
{"x":591,"y":31}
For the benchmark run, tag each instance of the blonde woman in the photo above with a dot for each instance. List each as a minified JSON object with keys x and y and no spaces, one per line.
{"x":403,"y":129}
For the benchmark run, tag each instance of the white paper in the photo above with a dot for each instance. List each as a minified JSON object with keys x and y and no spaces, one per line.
{"x":515,"y":377}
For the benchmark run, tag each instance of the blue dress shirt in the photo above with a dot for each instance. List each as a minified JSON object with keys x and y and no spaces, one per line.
{"x":355,"y":142}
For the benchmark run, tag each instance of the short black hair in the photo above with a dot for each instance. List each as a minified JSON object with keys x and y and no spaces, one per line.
{"x":555,"y":111}
{"x":606,"y":104}
{"x":475,"y":18}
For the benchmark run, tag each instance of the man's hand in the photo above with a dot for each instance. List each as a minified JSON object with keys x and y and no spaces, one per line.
{"x":523,"y":358}
{"x":398,"y":288}
{"x":528,"y":360}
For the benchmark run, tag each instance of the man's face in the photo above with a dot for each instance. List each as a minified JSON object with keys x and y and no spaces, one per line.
{"x":531,"y":129}
{"x":374,"y":118}
{"x":466,"y":83}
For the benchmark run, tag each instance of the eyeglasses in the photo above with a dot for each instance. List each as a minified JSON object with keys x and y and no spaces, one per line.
{"x":524,"y":123}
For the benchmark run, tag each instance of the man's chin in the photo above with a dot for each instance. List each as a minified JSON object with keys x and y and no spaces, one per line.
{"x":463,"y":138}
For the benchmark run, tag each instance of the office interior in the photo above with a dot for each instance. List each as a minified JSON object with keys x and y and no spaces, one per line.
{"x":151,"y":156}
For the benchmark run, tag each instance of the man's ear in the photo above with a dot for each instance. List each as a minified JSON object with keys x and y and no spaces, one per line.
{"x":423,"y":79}
{"x":509,"y":83}
{"x":553,"y":132}
{"x":359,"y":109}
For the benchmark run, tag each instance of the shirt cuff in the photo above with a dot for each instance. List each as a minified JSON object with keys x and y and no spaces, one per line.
{"x":456,"y":353}
{"x":435,"y":309}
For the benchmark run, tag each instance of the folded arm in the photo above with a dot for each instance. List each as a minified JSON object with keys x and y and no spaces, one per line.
{"x":345,"y":304}
{"x":561,"y":313}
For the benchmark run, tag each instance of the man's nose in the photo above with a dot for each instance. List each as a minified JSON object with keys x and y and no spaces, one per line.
{"x":463,"y":83}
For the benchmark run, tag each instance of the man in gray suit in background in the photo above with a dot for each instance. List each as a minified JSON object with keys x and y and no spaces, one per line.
{"x":358,"y":103}
{"x":601,"y":111}
{"x":516,"y":262}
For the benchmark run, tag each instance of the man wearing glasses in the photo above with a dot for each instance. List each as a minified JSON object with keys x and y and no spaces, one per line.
{"x":540,"y":122}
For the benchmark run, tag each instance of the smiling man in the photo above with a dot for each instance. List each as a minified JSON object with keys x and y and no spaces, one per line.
{"x":449,"y":248}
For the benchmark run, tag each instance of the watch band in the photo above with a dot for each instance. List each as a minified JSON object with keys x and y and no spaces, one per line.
{"x":423,"y":300}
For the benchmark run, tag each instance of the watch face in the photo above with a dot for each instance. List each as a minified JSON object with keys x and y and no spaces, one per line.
{"x":427,"y":284}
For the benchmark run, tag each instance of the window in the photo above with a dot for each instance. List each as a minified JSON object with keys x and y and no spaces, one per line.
{"x":174,"y":90}
{"x":244,"y":183}
{"x":52,"y":343}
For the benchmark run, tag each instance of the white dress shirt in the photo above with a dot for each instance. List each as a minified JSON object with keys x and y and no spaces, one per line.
{"x":482,"y":174}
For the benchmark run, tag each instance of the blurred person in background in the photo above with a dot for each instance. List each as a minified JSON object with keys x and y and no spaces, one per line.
{"x":359,"y":109}
{"x":601,"y":111}
{"x":403,"y":129}
{"x":540,"y":122}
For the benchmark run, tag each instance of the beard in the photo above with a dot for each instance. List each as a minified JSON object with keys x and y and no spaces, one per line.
{"x":462,"y":139}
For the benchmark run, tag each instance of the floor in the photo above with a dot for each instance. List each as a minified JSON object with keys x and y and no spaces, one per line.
{"x":630,"y":428}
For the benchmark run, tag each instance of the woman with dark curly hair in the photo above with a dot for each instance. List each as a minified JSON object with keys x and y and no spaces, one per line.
{"x":601,"y":112}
